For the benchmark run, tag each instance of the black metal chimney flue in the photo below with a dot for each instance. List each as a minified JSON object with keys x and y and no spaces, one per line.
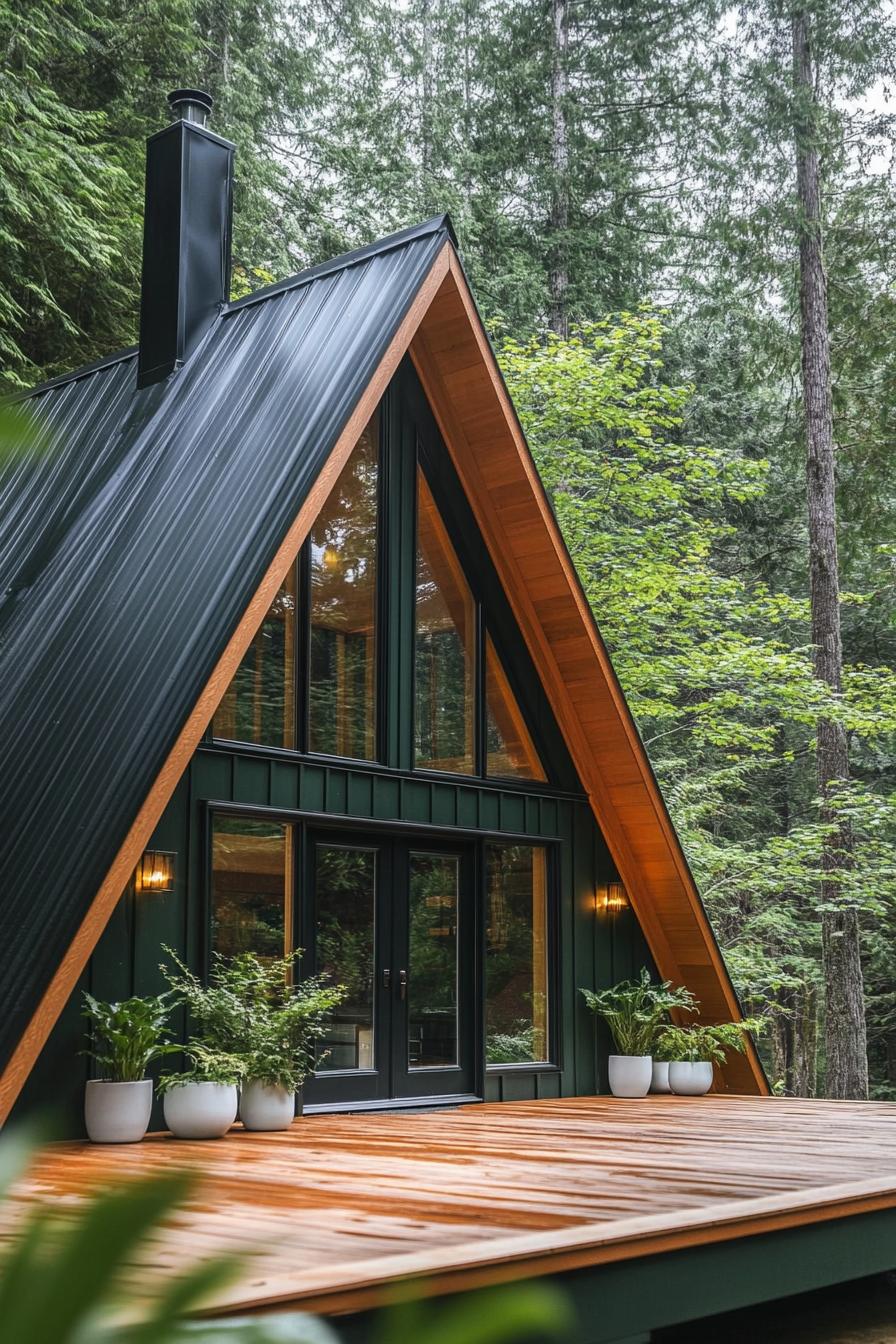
{"x":186,"y":236}
{"x":191,"y":105}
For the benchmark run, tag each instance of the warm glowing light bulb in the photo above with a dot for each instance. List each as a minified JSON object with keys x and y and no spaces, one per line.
{"x":332,"y":558}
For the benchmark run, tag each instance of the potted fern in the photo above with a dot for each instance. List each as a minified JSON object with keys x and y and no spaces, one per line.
{"x":127,"y":1037}
{"x":253,"y":1011}
{"x":693,"y":1051}
{"x":201,"y":1102}
{"x":635,"y":1011}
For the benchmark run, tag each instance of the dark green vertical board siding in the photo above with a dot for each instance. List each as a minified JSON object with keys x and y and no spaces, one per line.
{"x":284,"y":785}
{"x":517,"y":1085}
{"x":580,"y":1029}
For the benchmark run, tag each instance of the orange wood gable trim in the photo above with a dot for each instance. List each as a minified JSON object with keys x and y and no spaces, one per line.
{"x":483,"y":435}
{"x":94,"y":922}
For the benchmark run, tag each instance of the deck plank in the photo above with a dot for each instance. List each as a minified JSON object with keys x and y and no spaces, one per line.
{"x":337,"y":1208}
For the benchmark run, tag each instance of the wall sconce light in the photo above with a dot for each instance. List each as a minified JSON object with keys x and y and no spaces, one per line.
{"x":155,"y":872}
{"x":612,"y":898}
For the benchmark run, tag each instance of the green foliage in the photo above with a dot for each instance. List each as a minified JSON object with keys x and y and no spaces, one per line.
{"x":253,"y":1013}
{"x":495,"y":1316}
{"x":511,"y":1047}
{"x":698,"y":1042}
{"x":128,"y":1036}
{"x":635,"y":1010}
{"x":207,"y":1065}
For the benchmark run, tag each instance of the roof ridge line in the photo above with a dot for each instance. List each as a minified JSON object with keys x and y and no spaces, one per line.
{"x":437,"y":224}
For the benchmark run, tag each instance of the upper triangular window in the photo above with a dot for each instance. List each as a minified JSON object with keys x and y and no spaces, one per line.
{"x":509,"y":746}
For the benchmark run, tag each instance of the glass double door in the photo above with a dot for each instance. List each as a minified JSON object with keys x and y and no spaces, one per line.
{"x":394,"y":923}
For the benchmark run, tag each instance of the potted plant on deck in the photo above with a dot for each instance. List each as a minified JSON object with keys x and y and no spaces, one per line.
{"x":254,"y":1011}
{"x":201,"y":1102}
{"x":127,"y":1037}
{"x":692,"y":1052}
{"x":635,"y":1011}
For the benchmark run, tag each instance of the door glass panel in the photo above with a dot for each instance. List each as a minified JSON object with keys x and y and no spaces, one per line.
{"x":509,"y":747}
{"x":343,"y":562}
{"x":516,"y":975}
{"x":345,"y":898}
{"x":432,"y":967}
{"x":259,"y":704}
{"x":444,"y":647}
{"x":251,"y":905}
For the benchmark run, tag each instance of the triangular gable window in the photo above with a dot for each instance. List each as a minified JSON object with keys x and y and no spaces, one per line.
{"x":509,"y":747}
{"x":446,"y":650}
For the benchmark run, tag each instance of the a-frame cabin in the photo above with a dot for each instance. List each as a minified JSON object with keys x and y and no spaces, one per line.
{"x":286,"y":604}
{"x":292,"y":655}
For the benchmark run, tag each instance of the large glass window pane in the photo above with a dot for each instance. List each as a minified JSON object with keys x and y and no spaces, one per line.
{"x":509,"y":748}
{"x":251,"y":906}
{"x":444,"y":647}
{"x":516,"y":974}
{"x":259,"y":704}
{"x":343,"y":550}
{"x":345,"y":901}
{"x":432,"y":967}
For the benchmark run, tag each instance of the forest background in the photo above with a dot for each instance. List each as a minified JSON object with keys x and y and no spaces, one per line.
{"x":623,"y":178}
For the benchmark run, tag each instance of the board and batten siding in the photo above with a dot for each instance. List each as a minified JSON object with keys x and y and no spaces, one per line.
{"x":592,"y":950}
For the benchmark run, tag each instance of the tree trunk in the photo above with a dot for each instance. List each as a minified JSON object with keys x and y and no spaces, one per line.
{"x":803,"y":1051}
{"x":845,"y":1039}
{"x":559,"y":221}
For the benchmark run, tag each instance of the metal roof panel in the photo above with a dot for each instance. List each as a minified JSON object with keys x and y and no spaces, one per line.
{"x":128,"y":555}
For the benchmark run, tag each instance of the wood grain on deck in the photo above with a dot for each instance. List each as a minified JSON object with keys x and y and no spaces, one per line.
{"x":340,"y":1206}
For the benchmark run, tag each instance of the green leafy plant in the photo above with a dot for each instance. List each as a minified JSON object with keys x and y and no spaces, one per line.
{"x":635,"y":1010}
{"x":253,"y":1012}
{"x":693,"y":1043}
{"x":207,"y":1065}
{"x":128,"y":1035}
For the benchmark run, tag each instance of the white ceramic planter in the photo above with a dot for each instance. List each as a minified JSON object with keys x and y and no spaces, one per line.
{"x":200,"y":1110}
{"x":630,"y":1075}
{"x":690,"y":1078}
{"x":264,"y":1107}
{"x":117,"y":1112}
{"x":660,"y":1080}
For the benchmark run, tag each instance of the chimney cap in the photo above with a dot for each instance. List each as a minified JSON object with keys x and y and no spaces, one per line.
{"x":190,"y":105}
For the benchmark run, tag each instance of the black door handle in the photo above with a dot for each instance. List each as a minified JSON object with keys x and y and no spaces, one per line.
{"x":402,"y":984}
{"x":387,"y":978}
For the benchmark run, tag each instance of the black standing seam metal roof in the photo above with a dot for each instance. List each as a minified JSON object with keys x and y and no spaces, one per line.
{"x":129,"y":554}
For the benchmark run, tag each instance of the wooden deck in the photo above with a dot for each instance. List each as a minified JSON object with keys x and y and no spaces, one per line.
{"x":341,"y":1206}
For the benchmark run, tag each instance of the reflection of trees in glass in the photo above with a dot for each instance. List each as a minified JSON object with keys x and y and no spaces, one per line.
{"x":444,"y":646}
{"x":440,"y":699}
{"x":249,"y":884}
{"x":517,"y":1046}
{"x":258,"y":704}
{"x":516,"y":951}
{"x":432,"y":991}
{"x":343,"y":564}
{"x":345,"y":886}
